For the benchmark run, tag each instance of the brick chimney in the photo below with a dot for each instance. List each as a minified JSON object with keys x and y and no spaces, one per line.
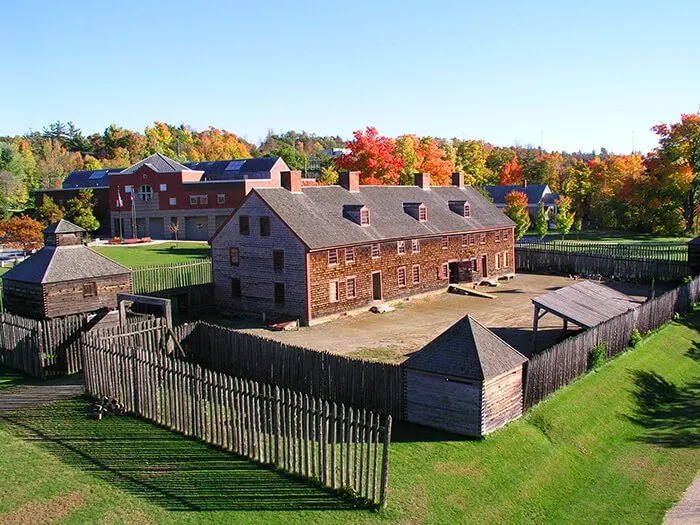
{"x":422,"y":180}
{"x":350,"y":180}
{"x":458,"y":179}
{"x":291,"y":180}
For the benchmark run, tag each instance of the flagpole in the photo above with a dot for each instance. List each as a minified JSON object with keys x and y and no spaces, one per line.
{"x":119,"y":206}
{"x":134,"y":231}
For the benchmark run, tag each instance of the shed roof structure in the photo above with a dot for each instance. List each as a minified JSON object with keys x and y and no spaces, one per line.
{"x":467,"y":350}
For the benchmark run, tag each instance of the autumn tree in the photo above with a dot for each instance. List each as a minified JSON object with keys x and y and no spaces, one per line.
{"x":80,"y":211}
{"x":471,"y":159}
{"x":434,"y":161}
{"x":407,"y":147}
{"x":49,"y":212}
{"x":516,"y":210}
{"x":511,"y":173}
{"x":564,"y":218}
{"x":374,"y":156}
{"x":329,"y":176}
{"x":541,"y":221}
{"x":22,"y":232}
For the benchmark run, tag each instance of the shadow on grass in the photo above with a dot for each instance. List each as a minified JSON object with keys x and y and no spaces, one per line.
{"x":670,"y":414}
{"x":162,"y":467}
{"x":194,"y":253}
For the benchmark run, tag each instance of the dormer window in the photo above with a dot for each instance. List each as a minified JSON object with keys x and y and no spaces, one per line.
{"x":467,"y":210}
{"x":417,"y":210}
{"x":364,"y":217}
{"x":357,"y":213}
{"x":462,"y":208}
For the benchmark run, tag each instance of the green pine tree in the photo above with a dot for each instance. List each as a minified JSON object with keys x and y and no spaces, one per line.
{"x":564,"y":219}
{"x":541,"y":221}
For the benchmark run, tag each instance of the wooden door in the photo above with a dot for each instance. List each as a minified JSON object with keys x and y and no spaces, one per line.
{"x":377,"y":286}
{"x":484,"y":266}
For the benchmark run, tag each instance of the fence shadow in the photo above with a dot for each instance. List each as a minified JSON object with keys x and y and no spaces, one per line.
{"x":162,"y":467}
{"x":669,"y":413}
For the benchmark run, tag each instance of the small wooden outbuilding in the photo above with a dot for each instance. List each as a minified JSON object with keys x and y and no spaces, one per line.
{"x":65,"y":277}
{"x":467,"y":381}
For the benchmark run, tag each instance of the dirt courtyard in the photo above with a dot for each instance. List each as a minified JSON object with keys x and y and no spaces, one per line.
{"x":393,"y":336}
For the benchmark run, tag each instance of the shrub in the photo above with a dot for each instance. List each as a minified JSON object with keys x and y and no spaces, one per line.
{"x":687,"y":279}
{"x":597,"y":356}
{"x":635,"y":338}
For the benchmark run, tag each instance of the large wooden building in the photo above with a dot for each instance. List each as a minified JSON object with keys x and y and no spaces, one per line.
{"x":313,"y":253}
{"x":467,"y":381}
{"x":65,"y":277}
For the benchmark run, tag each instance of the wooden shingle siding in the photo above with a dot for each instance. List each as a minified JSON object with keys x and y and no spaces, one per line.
{"x":502,"y":400}
{"x":438,"y":402}
{"x":255,"y":270}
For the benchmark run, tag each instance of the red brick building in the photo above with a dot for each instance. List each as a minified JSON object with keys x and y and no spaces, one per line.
{"x":193,"y":198}
{"x":314,"y":252}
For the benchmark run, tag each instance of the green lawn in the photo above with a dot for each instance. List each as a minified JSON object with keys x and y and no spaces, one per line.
{"x":162,"y":253}
{"x":617,"y":446}
{"x":610,"y":236}
{"x":10,"y":378}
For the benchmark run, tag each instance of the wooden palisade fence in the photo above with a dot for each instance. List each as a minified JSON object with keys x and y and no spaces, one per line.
{"x":340,"y":447}
{"x":366,"y":384}
{"x":667,"y":262}
{"x":147,"y":279}
{"x":42,"y":348}
{"x":559,"y":365}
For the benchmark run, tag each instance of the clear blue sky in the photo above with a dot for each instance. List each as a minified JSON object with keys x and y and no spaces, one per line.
{"x":586,"y":74}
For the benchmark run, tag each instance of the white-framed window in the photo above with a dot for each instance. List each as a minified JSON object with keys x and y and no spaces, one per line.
{"x":497,"y":236}
{"x":472,"y":239}
{"x":445,"y":242}
{"x":334,"y":291}
{"x":401,"y":276}
{"x":163,"y":187}
{"x":443,"y":271}
{"x":221,"y":198}
{"x":145,"y":193}
{"x":234,"y":255}
{"x":422,"y":213}
{"x":128,"y":188}
{"x":364,"y":217}
{"x":505,"y":259}
{"x":475,"y":265}
{"x":415,"y":245}
{"x":332,"y":257}
{"x":193,"y":199}
{"x":400,"y":247}
{"x":498,"y":261}
{"x":351,"y":288}
{"x":375,"y":251}
{"x":465,"y":240}
{"x":467,"y":210}
{"x":416,"y":273}
{"x":505,"y":235}
{"x":204,"y":199}
{"x":172,"y":201}
{"x":482,"y":238}
{"x":349,"y":255}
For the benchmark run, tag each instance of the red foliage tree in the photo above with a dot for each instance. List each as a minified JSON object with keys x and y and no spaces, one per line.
{"x":512,"y":172}
{"x":22,"y":232}
{"x":374,"y":156}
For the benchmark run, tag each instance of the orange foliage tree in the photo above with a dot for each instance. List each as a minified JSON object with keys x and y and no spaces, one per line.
{"x":512,"y":172}
{"x":374,"y":156}
{"x":516,"y":210}
{"x":22,"y":232}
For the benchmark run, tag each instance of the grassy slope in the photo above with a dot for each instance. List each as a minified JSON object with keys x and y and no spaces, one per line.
{"x":576,"y":458}
{"x":162,"y":253}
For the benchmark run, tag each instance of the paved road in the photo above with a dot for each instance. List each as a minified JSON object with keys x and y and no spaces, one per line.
{"x":687,"y":510}
{"x":40,"y":393}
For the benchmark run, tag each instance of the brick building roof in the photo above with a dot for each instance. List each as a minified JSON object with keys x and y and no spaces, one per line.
{"x":316,"y":213}
{"x":534,"y":192}
{"x":157,"y":162}
{"x":467,"y":350}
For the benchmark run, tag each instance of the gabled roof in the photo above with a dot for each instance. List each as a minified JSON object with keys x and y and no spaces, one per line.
{"x":54,"y":264}
{"x":240,"y":169}
{"x":63,"y":226}
{"x":315,"y":214}
{"x":88,"y":179}
{"x":157,"y":162}
{"x":535,"y":192}
{"x":586,"y":303}
{"x":467,"y":350}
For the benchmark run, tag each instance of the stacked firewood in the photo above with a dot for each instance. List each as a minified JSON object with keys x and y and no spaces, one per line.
{"x":108,"y":406}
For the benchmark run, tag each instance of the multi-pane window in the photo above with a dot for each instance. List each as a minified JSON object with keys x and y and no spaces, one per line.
{"x":445,"y":242}
{"x":235,"y":288}
{"x":415,"y":245}
{"x":465,"y":240}
{"x":234,"y":255}
{"x":416,"y":274}
{"x":349,"y":255}
{"x":89,"y":289}
{"x":244,"y":225}
{"x":145,"y":192}
{"x":221,"y":198}
{"x":422,"y":213}
{"x":375,"y":251}
{"x":505,"y":235}
{"x":334,"y":291}
{"x":332,"y":257}
{"x":279,"y":293}
{"x":401,"y":247}
{"x":364,"y":217}
{"x":475,"y":265}
{"x":264,"y":226}
{"x":278,"y":260}
{"x":193,"y":199}
{"x":467,"y":210}
{"x":498,"y":261}
{"x":443,"y":271}
{"x":401,"y":276}
{"x":497,"y":236}
{"x":351,"y":288}
{"x":204,"y":199}
{"x":472,"y":239}
{"x":505,"y":259}
{"x":482,"y":238}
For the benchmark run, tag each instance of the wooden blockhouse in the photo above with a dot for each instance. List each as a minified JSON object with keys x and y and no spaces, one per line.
{"x":467,"y":381}
{"x":65,"y":277}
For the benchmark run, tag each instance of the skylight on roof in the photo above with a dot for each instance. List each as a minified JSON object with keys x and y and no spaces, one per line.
{"x":235,"y":165}
{"x":98,"y":174}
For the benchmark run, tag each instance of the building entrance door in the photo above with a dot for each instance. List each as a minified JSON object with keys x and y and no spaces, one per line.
{"x":454,"y":273}
{"x":377,"y":286}
{"x":484,"y":266}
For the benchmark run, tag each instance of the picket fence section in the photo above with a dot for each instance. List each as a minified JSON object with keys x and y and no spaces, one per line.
{"x":339,"y":447}
{"x":43,"y":349}
{"x":619,"y":261}
{"x":559,"y":365}
{"x":355,"y":382}
{"x":147,"y":279}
